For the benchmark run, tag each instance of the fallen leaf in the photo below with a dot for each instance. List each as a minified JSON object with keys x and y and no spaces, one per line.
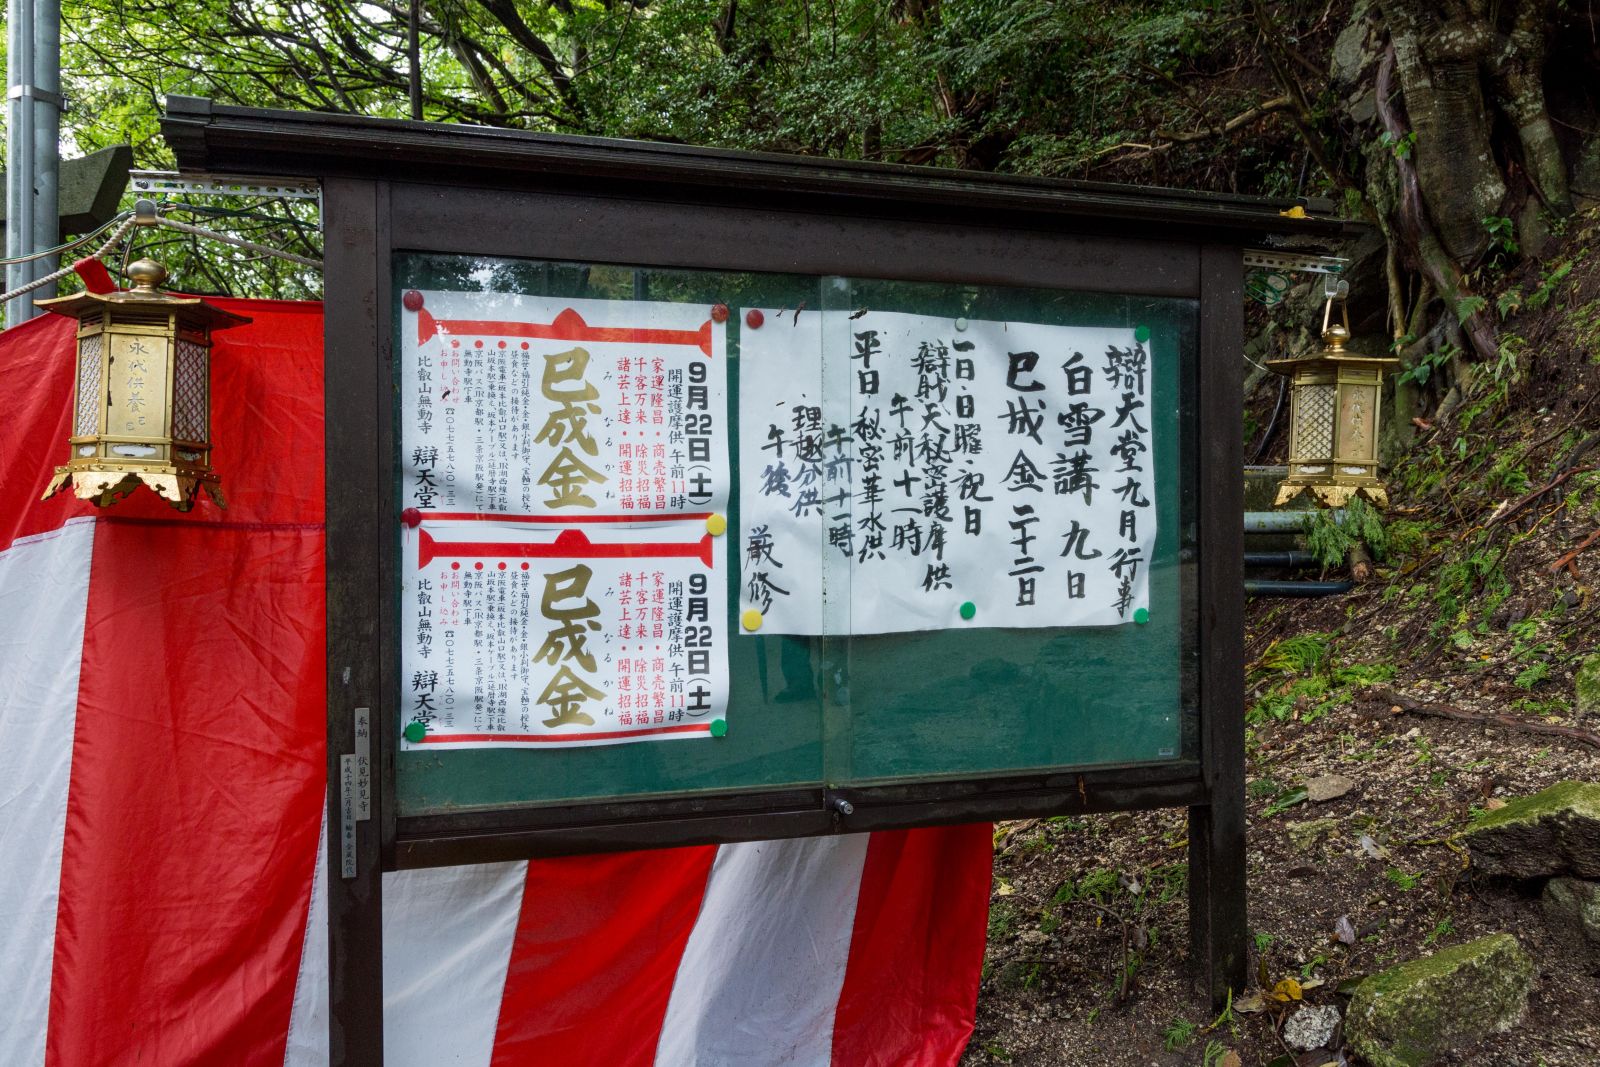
{"x":1004,"y":889}
{"x":1286,"y":990}
{"x":1493,"y":804}
{"x":1230,"y":1059}
{"x":1372,"y":848}
{"x":1249,"y":1004}
{"x":1302,"y":872}
{"x":1344,"y":931}
{"x":1285,"y":800}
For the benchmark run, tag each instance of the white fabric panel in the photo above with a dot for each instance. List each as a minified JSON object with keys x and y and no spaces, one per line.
{"x":308,"y":1019}
{"x":447,"y":935}
{"x":761,"y":974}
{"x":44,"y":590}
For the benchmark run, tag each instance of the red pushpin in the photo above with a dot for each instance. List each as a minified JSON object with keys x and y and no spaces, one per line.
{"x":719,"y":312}
{"x":753,"y":318}
{"x":412,"y":301}
{"x":411,"y":517}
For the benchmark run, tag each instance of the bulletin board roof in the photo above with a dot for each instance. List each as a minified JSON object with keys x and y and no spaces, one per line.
{"x":211,"y":138}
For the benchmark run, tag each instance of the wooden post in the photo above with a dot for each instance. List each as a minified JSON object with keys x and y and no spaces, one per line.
{"x":1217,"y":924}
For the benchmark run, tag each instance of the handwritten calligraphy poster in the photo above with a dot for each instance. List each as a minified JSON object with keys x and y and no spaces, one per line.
{"x":559,"y":461}
{"x":945,"y":473}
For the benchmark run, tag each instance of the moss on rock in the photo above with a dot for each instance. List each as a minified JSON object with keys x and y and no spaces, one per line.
{"x":1555,"y":831}
{"x":1411,"y":1015}
{"x":1586,"y":688}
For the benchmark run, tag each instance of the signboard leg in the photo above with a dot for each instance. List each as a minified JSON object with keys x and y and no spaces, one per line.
{"x":1218,"y":932}
{"x":355,"y":216}
{"x":1217,"y":929}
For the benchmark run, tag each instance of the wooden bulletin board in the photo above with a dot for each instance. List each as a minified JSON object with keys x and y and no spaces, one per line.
{"x":866,"y":720}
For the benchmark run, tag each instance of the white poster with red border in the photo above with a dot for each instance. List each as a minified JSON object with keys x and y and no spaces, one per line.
{"x":563,"y":478}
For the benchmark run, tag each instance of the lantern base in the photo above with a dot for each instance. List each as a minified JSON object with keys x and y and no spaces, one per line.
{"x":103,"y":488}
{"x":1332,"y":495}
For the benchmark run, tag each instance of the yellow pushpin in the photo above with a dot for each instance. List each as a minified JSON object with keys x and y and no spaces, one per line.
{"x":751,"y":620}
{"x":716,"y":524}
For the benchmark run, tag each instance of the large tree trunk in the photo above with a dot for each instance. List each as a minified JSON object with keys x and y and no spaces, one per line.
{"x":1437,"y":60}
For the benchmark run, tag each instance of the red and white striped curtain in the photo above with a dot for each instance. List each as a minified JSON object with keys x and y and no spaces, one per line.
{"x":161,"y":791}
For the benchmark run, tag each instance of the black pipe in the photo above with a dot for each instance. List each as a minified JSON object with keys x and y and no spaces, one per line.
{"x":1279,"y":559}
{"x":1253,"y":587}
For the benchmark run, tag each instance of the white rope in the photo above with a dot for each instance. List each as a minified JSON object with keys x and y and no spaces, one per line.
{"x":200,"y":231}
{"x":128,"y":224}
{"x":56,"y":276}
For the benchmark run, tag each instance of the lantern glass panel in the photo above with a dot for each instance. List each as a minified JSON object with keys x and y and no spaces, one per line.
{"x":190,"y":379}
{"x":87,"y":419}
{"x":1314,"y":422}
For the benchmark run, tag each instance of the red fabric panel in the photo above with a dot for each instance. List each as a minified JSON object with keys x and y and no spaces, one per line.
{"x":596,"y":951}
{"x":38,"y":358}
{"x":197,"y":776}
{"x":911,"y":987}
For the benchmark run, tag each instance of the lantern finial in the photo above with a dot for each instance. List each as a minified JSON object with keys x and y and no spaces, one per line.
{"x":146,"y":275}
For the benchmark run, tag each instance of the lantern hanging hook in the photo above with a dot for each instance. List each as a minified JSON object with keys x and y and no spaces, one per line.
{"x":1335,"y":334}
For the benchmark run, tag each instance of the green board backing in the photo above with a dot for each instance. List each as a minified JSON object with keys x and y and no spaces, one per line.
{"x":853,"y":710}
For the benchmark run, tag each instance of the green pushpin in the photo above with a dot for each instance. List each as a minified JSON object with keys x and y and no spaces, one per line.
{"x":1141,"y":334}
{"x":415,"y":731}
{"x":968,"y":610}
{"x":1141,"y":615}
{"x":719,"y":727}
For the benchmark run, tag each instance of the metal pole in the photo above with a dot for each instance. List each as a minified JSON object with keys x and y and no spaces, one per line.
{"x":414,"y":58}
{"x":46,"y":138}
{"x":19,"y":153}
{"x":33,"y":118}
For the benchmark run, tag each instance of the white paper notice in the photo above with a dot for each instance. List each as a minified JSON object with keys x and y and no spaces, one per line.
{"x":540,"y":633}
{"x":952,"y":473}
{"x":534,"y":406}
{"x":559,"y":462}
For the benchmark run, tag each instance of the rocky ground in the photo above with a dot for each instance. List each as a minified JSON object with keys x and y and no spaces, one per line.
{"x":1383,"y":726}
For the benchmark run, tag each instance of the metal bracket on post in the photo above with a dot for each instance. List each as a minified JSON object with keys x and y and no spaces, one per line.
{"x":149,"y":182}
{"x":1265,"y":259}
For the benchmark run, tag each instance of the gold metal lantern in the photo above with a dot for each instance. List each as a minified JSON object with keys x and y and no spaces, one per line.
{"x":1334,"y":411}
{"x":142,"y":406}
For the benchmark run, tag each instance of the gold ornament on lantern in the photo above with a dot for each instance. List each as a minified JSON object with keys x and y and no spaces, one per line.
{"x":142,"y":406}
{"x":1334,"y":411}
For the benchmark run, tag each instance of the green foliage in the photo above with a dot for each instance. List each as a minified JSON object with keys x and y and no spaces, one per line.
{"x":1330,"y":535}
{"x":1401,"y":146}
{"x":1468,"y":306}
{"x":1300,"y":672}
{"x":1407,"y":538}
{"x":1177,"y":1034}
{"x":1502,"y":238}
{"x":1428,"y":364}
{"x":1406,"y":882}
{"x":1549,"y":282}
{"x":1002,"y":920}
{"x":1532,"y":675}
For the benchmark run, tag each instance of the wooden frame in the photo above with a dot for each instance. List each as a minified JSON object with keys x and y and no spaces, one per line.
{"x":608,"y":201}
